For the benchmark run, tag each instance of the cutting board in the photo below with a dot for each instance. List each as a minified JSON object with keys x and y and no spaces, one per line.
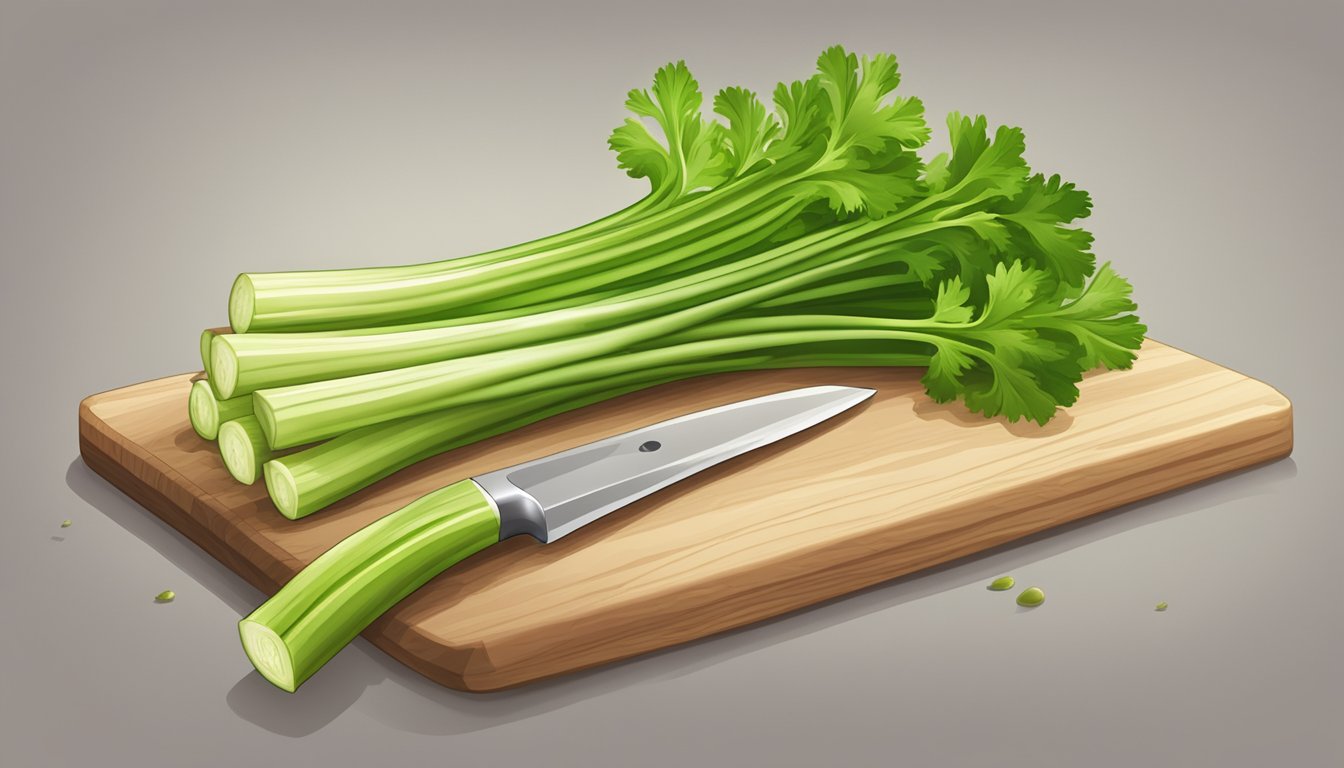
{"x":896,"y":485}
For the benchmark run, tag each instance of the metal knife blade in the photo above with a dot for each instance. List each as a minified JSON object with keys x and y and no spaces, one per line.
{"x":556,"y":495}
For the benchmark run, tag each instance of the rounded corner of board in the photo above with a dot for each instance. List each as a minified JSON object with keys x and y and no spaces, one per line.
{"x":87,"y":403}
{"x":1280,"y":407}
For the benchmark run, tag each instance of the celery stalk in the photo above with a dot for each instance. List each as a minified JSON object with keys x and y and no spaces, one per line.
{"x":331,"y":601}
{"x":348,"y":299}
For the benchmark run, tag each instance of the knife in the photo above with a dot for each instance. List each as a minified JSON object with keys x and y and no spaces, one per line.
{"x":341,"y":592}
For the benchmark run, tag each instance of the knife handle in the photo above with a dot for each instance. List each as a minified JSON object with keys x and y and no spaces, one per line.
{"x":340,"y":593}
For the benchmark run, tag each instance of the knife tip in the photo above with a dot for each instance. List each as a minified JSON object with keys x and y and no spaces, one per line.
{"x":862,"y":393}
{"x":848,"y":396}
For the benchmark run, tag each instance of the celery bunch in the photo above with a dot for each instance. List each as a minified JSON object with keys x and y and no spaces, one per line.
{"x":813,"y":234}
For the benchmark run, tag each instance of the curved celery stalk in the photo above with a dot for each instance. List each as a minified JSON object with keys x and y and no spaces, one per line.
{"x":350,"y":299}
{"x":207,"y":412}
{"x":340,"y":593}
{"x":266,"y":301}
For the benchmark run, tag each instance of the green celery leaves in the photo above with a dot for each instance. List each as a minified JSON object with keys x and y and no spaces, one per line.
{"x":693,"y":156}
{"x":750,"y":129}
{"x":1023,"y":354}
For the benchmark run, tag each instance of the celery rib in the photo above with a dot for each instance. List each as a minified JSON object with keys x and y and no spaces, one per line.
{"x":294,"y":302}
{"x":331,"y":601}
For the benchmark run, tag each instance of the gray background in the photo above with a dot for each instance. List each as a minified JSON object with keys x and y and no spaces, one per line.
{"x":151,"y":150}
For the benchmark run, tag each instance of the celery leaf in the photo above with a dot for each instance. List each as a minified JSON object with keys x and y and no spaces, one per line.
{"x":750,"y":130}
{"x":691,"y":156}
{"x":1023,"y":355}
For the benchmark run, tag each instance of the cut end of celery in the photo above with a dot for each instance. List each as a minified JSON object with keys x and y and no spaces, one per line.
{"x":223,"y":367}
{"x":239,"y":457}
{"x":268,"y":653}
{"x":266,"y":418}
{"x":282,"y":488}
{"x":242,"y":302}
{"x":207,"y":336}
{"x":203,"y":410}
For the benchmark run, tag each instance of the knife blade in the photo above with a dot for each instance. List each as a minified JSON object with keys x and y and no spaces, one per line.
{"x":328,"y":603}
{"x":558,"y":494}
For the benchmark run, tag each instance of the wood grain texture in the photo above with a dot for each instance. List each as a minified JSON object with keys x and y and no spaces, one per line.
{"x":894,"y":486}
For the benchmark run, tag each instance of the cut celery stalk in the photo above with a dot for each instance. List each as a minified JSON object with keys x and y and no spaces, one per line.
{"x":340,"y":593}
{"x":392,"y":295}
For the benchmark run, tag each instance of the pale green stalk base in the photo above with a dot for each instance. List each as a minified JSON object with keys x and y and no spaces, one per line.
{"x":207,"y":412}
{"x":243,"y":446}
{"x":323,"y":608}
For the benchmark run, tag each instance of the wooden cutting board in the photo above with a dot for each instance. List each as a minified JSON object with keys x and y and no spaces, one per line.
{"x":893,"y":486}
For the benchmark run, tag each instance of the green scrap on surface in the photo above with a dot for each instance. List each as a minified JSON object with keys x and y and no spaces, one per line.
{"x":1031,"y":597}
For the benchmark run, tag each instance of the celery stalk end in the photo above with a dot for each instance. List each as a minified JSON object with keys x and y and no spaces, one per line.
{"x":203,"y":410}
{"x":268,"y":653}
{"x":282,"y":488}
{"x":243,"y":448}
{"x":223,"y":367}
{"x":242,"y":303}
